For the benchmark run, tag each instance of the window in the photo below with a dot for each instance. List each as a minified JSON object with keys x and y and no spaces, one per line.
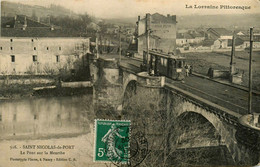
{"x":174,"y":63}
{"x":47,"y":48}
{"x":180,"y":64}
{"x":11,"y":48}
{"x":11,"y":40}
{"x":0,"y":117}
{"x":59,"y":48}
{"x":12,"y":58}
{"x":14,"y":117}
{"x":34,"y":58}
{"x":69,"y":117}
{"x":32,"y":40}
{"x":1,"y":48}
{"x":165,"y":62}
{"x":35,"y":117}
{"x":58,"y":117}
{"x":57,"y":58}
{"x":34,"y":48}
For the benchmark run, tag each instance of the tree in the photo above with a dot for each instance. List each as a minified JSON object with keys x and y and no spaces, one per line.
{"x":163,"y":128}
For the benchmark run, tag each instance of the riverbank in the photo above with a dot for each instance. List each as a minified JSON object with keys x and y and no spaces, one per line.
{"x":18,"y":91}
{"x":59,"y":91}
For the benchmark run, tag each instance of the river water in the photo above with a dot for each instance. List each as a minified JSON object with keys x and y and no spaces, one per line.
{"x":45,"y":116}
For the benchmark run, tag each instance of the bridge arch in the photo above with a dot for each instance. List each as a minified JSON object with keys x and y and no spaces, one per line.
{"x":227,"y":135}
{"x":127,"y":78}
{"x":129,"y":92}
{"x":197,"y":130}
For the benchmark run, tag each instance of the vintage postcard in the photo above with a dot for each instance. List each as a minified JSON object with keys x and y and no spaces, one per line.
{"x":129,"y":83}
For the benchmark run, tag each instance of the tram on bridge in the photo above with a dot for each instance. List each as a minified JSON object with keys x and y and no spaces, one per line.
{"x":159,"y":63}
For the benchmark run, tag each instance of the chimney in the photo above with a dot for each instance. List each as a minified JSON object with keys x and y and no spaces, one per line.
{"x":168,"y":15}
{"x":25,"y":23}
{"x":49,"y":20}
{"x":174,"y":18}
{"x":15,"y":23}
{"x":148,"y":20}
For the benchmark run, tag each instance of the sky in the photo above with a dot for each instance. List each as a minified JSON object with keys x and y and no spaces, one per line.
{"x":133,"y":8}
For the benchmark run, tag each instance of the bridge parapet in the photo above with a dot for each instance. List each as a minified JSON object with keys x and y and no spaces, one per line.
{"x":150,"y":81}
{"x":248,"y":136}
{"x":221,"y":112}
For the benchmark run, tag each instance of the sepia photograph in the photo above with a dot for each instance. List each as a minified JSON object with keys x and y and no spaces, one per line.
{"x":127,"y":83}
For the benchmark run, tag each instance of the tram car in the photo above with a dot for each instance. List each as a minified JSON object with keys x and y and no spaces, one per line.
{"x":164,"y":64}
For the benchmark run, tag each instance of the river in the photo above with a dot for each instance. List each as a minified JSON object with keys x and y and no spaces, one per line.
{"x":45,"y":116}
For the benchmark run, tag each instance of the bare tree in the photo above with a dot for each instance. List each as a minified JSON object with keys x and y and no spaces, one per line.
{"x":164,"y":129}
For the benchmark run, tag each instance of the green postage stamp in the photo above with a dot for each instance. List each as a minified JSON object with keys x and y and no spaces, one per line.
{"x":112,"y":141}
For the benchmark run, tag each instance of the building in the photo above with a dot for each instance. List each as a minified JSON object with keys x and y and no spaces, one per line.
{"x":246,"y":40}
{"x":216,"y":33}
{"x":189,"y":37}
{"x":30,"y":47}
{"x":227,"y":43}
{"x":25,"y":55}
{"x":162,"y":32}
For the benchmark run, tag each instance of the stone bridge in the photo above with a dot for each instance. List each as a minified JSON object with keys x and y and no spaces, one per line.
{"x":114,"y":83}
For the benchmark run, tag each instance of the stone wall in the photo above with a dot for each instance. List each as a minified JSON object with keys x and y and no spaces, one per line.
{"x":107,"y":89}
{"x":26,"y":80}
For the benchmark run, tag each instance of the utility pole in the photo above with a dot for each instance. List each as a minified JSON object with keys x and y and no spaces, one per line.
{"x":232,"y":62}
{"x":147,"y":46}
{"x":97,"y":44}
{"x":120,"y":44}
{"x":147,"y":41}
{"x":250,"y":73}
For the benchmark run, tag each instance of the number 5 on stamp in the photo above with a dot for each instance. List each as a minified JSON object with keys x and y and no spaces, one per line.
{"x":112,"y":141}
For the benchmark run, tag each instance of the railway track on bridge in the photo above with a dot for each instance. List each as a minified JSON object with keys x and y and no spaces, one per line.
{"x":217,"y":100}
{"x":226,"y":96}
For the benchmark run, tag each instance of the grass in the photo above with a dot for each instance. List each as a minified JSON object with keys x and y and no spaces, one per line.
{"x":201,"y":62}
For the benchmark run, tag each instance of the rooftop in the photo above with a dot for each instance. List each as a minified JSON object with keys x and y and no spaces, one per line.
{"x":159,"y":18}
{"x":40,"y":32}
{"x":220,"y":31}
{"x":13,"y":27}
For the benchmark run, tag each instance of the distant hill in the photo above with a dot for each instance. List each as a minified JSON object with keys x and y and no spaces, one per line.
{"x":11,"y":9}
{"x":242,"y":21}
{"x":124,"y":21}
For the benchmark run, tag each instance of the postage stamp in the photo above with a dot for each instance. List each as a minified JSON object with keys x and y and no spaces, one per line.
{"x":112,"y":141}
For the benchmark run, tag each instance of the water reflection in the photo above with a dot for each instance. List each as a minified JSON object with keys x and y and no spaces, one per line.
{"x":45,"y":116}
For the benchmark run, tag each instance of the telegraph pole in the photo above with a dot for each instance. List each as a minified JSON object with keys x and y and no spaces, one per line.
{"x":97,"y":44}
{"x":120,"y":44}
{"x":147,"y":41}
{"x":232,"y":62}
{"x":147,"y":46}
{"x":250,"y":73}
